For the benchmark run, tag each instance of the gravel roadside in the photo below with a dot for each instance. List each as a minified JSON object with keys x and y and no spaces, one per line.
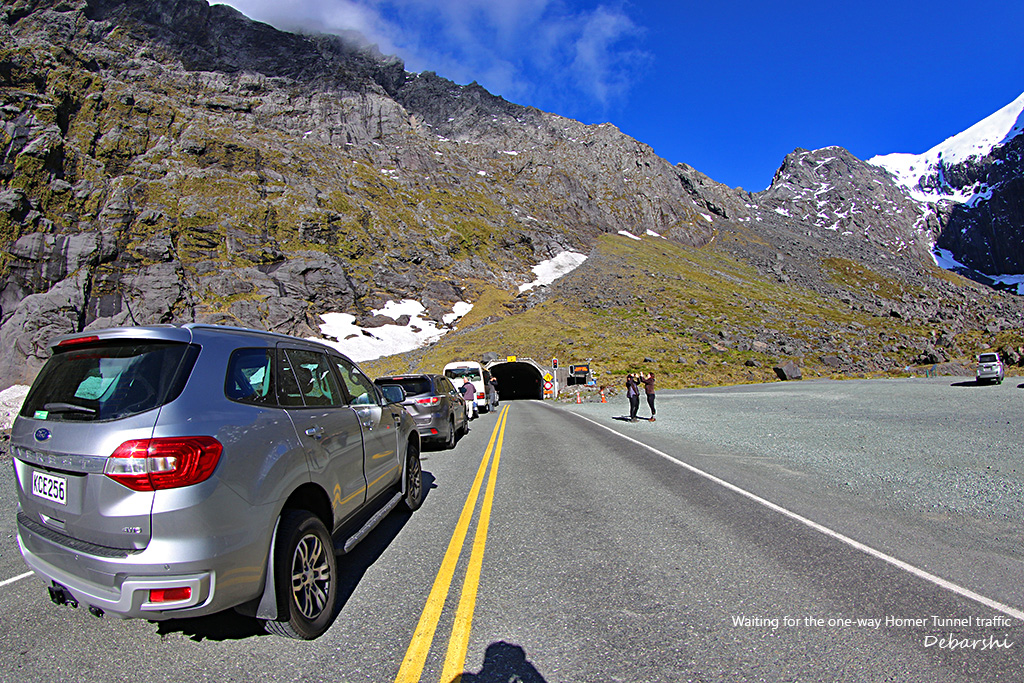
{"x":929,"y":470}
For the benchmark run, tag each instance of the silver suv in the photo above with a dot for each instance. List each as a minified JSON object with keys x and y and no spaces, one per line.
{"x":990,"y":368}
{"x":167,"y":472}
{"x":434,"y":404}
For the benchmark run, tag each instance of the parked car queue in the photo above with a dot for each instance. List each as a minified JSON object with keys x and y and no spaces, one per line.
{"x":442,"y":405}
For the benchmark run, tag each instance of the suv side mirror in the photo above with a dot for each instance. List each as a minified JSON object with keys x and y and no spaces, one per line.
{"x":393,"y":393}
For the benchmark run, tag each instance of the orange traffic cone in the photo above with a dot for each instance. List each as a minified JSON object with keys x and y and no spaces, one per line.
{"x":603,"y":398}
{"x":578,"y":399}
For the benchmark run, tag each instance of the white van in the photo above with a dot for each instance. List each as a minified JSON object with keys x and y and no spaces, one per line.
{"x":486,"y":396}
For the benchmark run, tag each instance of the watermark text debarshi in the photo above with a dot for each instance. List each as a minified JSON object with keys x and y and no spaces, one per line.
{"x":951,"y":642}
{"x":952,"y":634}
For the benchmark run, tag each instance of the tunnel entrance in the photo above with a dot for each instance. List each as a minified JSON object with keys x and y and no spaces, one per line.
{"x":518,"y":380}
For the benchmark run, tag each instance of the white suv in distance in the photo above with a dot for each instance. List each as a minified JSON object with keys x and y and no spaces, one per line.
{"x":168,"y":472}
{"x":990,"y":368}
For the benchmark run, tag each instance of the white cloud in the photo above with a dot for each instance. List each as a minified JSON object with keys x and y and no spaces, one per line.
{"x":324,"y":16}
{"x":600,"y":61}
{"x":548,"y":53}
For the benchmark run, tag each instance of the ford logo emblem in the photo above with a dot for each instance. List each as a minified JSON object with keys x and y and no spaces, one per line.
{"x":42,"y":434}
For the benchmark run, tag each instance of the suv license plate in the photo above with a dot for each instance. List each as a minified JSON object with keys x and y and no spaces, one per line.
{"x":50,"y":487}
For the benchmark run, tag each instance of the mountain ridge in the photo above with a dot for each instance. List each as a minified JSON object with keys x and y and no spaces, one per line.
{"x":921,"y":173}
{"x":975,"y":182}
{"x":168,"y":161}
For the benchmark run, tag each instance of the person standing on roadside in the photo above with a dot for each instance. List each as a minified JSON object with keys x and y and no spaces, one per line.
{"x":633,"y":394}
{"x":649,"y":390}
{"x":469,"y":396}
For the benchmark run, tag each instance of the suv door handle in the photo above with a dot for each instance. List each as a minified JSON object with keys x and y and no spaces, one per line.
{"x":315,"y":432}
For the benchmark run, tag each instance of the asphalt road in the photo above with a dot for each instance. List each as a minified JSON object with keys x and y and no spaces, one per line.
{"x":814,"y":531}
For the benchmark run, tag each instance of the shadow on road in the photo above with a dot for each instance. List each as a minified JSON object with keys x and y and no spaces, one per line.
{"x":433,"y":446}
{"x":229,"y":625}
{"x":226,"y":625}
{"x":504,"y":662}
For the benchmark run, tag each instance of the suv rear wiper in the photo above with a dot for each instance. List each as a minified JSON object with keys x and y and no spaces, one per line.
{"x":68,"y":408}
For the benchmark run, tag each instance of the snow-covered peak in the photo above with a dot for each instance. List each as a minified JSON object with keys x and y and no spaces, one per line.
{"x":975,"y":142}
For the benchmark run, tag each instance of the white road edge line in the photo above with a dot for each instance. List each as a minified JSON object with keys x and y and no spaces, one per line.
{"x":13,"y":579}
{"x":920,"y":573}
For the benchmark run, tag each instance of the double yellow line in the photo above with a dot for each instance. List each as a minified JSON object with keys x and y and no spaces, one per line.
{"x":455,"y":660}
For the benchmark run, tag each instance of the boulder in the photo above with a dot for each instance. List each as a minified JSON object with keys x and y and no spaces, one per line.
{"x":26,"y":332}
{"x":788,"y":370}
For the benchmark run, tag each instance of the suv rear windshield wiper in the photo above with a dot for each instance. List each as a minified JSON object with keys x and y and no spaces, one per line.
{"x":68,"y":408}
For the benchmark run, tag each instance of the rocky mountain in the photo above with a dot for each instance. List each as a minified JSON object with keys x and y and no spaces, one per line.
{"x":974,"y":182}
{"x":169,"y":161}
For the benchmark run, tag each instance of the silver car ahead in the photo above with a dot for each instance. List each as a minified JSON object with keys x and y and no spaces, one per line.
{"x":168,"y":472}
{"x":434,"y":404}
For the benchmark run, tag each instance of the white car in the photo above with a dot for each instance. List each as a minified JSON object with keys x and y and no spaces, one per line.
{"x":990,"y":368}
{"x":486,"y":398}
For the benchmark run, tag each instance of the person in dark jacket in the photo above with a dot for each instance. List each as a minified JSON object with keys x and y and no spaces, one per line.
{"x":469,"y":396}
{"x":649,"y":390}
{"x":633,"y":394}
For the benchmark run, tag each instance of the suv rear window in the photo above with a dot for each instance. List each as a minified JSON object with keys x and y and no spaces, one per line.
{"x":414,"y":386}
{"x":109,"y":380}
{"x":988,"y":358}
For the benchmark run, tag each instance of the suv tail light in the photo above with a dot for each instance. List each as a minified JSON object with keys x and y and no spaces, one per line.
{"x":480,"y":394}
{"x":430,"y":401}
{"x":170,"y":594}
{"x":153,"y":464}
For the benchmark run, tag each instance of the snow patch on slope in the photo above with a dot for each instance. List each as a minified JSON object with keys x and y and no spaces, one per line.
{"x":945,"y":259}
{"x":552,"y":269}
{"x":360,"y":344}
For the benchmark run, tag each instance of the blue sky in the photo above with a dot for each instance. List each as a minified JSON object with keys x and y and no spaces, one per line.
{"x":729,"y":87}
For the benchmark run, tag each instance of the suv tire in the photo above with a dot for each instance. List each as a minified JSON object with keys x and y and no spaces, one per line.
{"x":307,"y":576}
{"x":451,"y":436}
{"x":413,"y":497}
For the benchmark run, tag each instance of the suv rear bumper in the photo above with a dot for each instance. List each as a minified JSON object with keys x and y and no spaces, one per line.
{"x":132,"y":597}
{"x":989,"y":374}
{"x":432,"y":426}
{"x":121,"y":586}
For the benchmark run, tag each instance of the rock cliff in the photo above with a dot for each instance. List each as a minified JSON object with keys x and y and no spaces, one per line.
{"x":169,"y":161}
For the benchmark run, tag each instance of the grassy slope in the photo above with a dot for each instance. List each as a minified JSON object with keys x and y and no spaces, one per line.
{"x":693,"y":312}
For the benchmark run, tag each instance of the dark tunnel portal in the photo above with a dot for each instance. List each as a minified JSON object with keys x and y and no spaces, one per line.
{"x":518,"y":381}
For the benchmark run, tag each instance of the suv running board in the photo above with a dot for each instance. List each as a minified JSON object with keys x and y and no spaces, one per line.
{"x":372,"y":522}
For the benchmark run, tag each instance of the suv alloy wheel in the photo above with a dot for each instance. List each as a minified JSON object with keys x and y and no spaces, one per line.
{"x":307,"y":576}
